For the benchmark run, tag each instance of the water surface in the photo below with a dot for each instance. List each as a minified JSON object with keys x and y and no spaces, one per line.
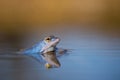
{"x":95,"y":55}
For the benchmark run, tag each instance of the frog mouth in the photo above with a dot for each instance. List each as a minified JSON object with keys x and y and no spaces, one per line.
{"x":50,"y":44}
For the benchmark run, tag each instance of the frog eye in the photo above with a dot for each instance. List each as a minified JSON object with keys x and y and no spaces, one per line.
{"x":48,"y":39}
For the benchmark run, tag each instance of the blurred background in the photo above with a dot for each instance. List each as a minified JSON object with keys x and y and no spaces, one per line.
{"x":20,"y":18}
{"x":45,"y":12}
{"x":85,"y":25}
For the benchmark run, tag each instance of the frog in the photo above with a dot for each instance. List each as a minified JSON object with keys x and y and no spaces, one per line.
{"x":47,"y":50}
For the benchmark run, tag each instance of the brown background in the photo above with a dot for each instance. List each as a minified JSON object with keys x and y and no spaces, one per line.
{"x":41,"y":12}
{"x":36,"y":18}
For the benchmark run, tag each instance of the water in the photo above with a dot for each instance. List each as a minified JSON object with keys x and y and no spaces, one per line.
{"x":95,"y":55}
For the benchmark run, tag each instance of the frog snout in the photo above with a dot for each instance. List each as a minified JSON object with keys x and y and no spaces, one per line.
{"x":56,"y":41}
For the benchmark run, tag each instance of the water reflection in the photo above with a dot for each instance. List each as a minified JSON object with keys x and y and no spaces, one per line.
{"x":95,"y":56}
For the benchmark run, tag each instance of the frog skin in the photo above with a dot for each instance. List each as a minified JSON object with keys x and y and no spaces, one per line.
{"x":46,"y":49}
